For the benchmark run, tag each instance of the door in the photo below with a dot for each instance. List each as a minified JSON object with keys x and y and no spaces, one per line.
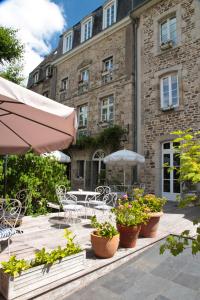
{"x":170,"y":183}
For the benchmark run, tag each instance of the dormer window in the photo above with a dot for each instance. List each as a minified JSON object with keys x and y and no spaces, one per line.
{"x":109,"y":14}
{"x":48,"y":72}
{"x":67,"y":41}
{"x":86,"y":29}
{"x":36,"y":77}
{"x":168,"y":32}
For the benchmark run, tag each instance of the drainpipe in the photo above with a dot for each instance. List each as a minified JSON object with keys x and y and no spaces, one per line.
{"x":135,"y":91}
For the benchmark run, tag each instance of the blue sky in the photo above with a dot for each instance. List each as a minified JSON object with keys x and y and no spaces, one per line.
{"x":75,"y":10}
{"x":40,"y":23}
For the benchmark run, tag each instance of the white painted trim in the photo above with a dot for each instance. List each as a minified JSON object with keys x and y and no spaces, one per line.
{"x":83,"y":28}
{"x":105,"y":7}
{"x":169,"y":76}
{"x":64,"y":41}
{"x":95,"y":39}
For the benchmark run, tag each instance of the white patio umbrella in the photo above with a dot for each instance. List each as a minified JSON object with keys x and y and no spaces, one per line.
{"x":124,"y":158}
{"x":59,"y":156}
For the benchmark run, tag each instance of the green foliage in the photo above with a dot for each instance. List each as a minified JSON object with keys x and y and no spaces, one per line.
{"x":13,"y":72}
{"x":189,"y":149}
{"x":109,"y":138}
{"x":105,"y":229}
{"x":39,"y":175}
{"x":130,"y":213}
{"x":14,"y":267}
{"x":177,"y":245}
{"x":151,"y":203}
{"x":94,"y":222}
{"x":10,"y":47}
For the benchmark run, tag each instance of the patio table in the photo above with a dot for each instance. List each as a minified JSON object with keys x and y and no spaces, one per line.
{"x":87,"y":194}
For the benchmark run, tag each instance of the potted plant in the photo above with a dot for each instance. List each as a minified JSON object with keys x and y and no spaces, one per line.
{"x":129,"y":217}
{"x":23,"y":279}
{"x":153,"y":206}
{"x":105,"y":240}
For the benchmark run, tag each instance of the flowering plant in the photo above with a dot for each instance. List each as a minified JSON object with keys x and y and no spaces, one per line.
{"x":130,"y":213}
{"x":151,"y":203}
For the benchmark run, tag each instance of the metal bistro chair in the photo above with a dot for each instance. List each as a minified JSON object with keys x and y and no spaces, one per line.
{"x":102,"y":190}
{"x":68,"y":203}
{"x":9,"y":214}
{"x":70,"y":207}
{"x":109,"y":201}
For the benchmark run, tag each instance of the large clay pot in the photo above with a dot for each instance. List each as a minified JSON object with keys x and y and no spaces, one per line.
{"x":128,"y":235}
{"x":104,"y":247}
{"x":149,"y":230}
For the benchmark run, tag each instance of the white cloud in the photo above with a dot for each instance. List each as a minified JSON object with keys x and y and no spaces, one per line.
{"x":37,"y":21}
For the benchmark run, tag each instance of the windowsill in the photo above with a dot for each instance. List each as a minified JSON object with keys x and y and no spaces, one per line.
{"x":164,"y":51}
{"x":170,"y":108}
{"x":82,"y":127}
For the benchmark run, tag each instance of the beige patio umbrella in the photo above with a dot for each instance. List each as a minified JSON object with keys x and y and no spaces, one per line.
{"x":31,"y":121}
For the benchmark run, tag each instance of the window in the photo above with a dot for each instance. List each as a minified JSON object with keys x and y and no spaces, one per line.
{"x":169,"y":91}
{"x":64,"y":84}
{"x":107,"y":74}
{"x":48,"y":72}
{"x":84,"y":81}
{"x":82,"y":115}
{"x":46,"y":94}
{"x":109,"y":14}
{"x":80,"y":168}
{"x":170,"y":176}
{"x":107,"y":109}
{"x":36,"y":77}
{"x":67,"y":42}
{"x":168,"y":31}
{"x":86,"y":30}
{"x":85,"y":75}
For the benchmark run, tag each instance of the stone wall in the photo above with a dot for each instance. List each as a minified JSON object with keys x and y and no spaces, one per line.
{"x":184,"y":58}
{"x":119,"y":44}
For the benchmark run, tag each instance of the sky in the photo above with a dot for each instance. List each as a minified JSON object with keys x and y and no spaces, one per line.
{"x":40,"y":23}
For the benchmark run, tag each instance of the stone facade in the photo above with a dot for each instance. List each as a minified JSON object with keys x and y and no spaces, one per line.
{"x":115,"y":42}
{"x":182,"y":59}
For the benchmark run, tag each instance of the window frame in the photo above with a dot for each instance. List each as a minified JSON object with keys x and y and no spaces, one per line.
{"x":36,"y":77}
{"x":66,"y":36}
{"x":83,"y":29}
{"x":84,"y":114}
{"x":107,"y":107}
{"x":169,"y":76}
{"x":64,"y":88}
{"x":104,"y":64}
{"x":105,"y":9}
{"x":169,"y":39}
{"x":48,"y":71}
{"x":79,"y":162}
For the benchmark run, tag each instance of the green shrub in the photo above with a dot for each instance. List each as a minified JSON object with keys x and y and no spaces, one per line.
{"x":130,"y":213}
{"x":15,"y":266}
{"x":39,"y":175}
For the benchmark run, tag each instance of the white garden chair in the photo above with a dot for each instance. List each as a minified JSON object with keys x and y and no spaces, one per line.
{"x":109,"y":201}
{"x":9,"y":214}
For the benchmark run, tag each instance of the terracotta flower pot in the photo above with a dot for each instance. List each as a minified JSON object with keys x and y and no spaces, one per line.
{"x":128,"y":235}
{"x":150,"y":229}
{"x":104,"y":247}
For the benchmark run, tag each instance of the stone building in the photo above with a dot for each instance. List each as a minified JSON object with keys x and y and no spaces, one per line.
{"x":168,"y":84}
{"x":92,"y":70}
{"x":135,"y":64}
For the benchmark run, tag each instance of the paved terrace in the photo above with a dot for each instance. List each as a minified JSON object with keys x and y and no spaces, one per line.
{"x":43,"y":231}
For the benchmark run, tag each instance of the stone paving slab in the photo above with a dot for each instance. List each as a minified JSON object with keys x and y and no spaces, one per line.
{"x":148,"y":276}
{"x":44,"y":231}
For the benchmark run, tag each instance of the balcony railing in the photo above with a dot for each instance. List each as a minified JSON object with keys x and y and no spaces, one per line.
{"x":107,"y":76}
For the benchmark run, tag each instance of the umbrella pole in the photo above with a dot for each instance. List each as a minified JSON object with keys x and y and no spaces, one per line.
{"x":124,"y":178}
{"x":5,"y":164}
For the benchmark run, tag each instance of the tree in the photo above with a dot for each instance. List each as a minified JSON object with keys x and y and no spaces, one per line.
{"x":11,"y":53}
{"x":188,"y":146}
{"x":13,"y":72}
{"x":10,"y":47}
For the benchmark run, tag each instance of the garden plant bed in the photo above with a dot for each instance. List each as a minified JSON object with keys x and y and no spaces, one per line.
{"x":36,"y":280}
